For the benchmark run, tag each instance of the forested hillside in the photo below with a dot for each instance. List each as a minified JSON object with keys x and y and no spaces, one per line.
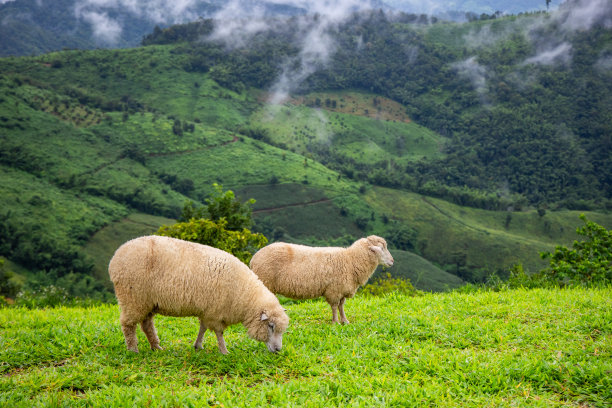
{"x":470,"y":147}
{"x":517,"y":124}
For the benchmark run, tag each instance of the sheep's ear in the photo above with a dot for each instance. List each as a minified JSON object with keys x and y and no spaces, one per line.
{"x":376,"y":249}
{"x":264,"y":316}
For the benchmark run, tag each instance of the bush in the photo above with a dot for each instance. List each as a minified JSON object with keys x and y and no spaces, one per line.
{"x":52,"y":296}
{"x":388,"y":284}
{"x":9,"y":287}
{"x":242,"y":244}
{"x":588,"y":263}
{"x":47,"y":296}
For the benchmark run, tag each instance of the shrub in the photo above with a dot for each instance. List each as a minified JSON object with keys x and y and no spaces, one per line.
{"x":242,"y":244}
{"x":9,"y":287}
{"x":47,"y":296}
{"x":388,"y":284}
{"x":588,"y":262}
{"x":221,"y":205}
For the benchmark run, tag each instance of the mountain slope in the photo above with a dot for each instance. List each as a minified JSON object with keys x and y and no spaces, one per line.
{"x":92,"y":139}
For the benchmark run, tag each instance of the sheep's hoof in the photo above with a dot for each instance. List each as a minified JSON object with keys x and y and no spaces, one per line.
{"x":197,"y":347}
{"x":345,"y":322}
{"x":156,"y":347}
{"x":133,"y":350}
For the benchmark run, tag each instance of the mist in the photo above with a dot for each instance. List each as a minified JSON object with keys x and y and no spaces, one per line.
{"x":108,"y":29}
{"x":237,"y":23}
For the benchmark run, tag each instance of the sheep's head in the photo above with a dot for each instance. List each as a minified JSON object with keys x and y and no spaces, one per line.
{"x":268,"y":327}
{"x":378,"y":245}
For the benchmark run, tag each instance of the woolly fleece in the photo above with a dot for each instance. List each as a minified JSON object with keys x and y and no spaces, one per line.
{"x":155,"y":274}
{"x":303,"y":272}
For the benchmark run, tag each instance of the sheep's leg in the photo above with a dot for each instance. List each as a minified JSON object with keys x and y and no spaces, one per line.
{"x":334,"y":308}
{"x":343,"y":318}
{"x":128,"y":326}
{"x":221,"y":341}
{"x":148,"y":328}
{"x":198,"y":343}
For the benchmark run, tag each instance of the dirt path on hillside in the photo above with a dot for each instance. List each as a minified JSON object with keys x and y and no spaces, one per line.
{"x":282,"y":207}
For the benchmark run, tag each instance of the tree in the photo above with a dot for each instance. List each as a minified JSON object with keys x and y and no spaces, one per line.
{"x":589,"y":262}
{"x":223,"y":223}
{"x":242,"y":244}
{"x":221,"y":204}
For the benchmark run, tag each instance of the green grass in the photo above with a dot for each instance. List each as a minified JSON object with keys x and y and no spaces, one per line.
{"x":355,"y":135}
{"x":44,"y":206}
{"x":538,"y":348}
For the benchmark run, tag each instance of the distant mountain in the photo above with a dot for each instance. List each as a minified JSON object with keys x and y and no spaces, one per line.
{"x":32,"y":27}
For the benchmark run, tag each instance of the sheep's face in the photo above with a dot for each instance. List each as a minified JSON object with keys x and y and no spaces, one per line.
{"x":379,"y":246}
{"x":269,"y":328}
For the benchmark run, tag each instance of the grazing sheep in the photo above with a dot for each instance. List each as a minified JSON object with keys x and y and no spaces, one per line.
{"x":155,"y":274}
{"x":302,"y":272}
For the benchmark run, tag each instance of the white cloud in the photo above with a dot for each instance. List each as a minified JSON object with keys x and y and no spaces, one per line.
{"x":578,"y":15}
{"x":238,"y":21}
{"x":553,"y":55}
{"x":604,"y":63}
{"x":96,"y":13}
{"x":104,"y":28}
{"x":477,"y":74}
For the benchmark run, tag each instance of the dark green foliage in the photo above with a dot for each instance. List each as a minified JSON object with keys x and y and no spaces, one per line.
{"x":588,"y":262}
{"x":8,"y":285}
{"x":222,"y":205}
{"x":223,"y":223}
{"x":401,"y":236}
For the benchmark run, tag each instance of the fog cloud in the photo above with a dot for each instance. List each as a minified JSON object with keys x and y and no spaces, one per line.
{"x":560,"y":54}
{"x":238,"y":21}
{"x":477,"y":74}
{"x":108,"y":29}
{"x":104,"y":28}
{"x":576,"y":15}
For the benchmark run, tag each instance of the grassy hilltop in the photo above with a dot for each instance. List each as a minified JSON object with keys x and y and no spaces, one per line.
{"x":537,"y":348}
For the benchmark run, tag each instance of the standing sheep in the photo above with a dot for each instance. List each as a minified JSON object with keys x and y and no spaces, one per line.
{"x":302,"y":272}
{"x":172,"y":277}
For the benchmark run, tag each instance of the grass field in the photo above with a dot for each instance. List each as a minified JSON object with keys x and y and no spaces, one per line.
{"x":538,"y":348}
{"x":367,"y":138}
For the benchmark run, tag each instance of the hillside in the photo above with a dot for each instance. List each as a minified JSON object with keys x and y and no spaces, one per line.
{"x":541,"y":348}
{"x":98,"y":146}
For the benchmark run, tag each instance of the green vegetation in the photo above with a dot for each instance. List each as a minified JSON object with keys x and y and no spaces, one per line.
{"x":589,"y":262}
{"x":97,"y":147}
{"x":541,"y":348}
